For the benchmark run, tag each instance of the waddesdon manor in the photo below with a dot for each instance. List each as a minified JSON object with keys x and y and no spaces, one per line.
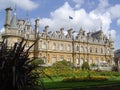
{"x":92,"y":47}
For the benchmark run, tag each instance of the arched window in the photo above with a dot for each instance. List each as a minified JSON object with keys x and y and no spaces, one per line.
{"x":44,"y":45}
{"x":77,"y":61}
{"x":54,"y":46}
{"x":101,"y":50}
{"x":82,"y":49}
{"x":90,"y":49}
{"x":68,"y":59}
{"x":96,"y":50}
{"x":54,"y":59}
{"x":90,"y":61}
{"x":86,"y":49}
{"x":61,"y":47}
{"x":77,"y":48}
{"x":108,"y":51}
{"x":81,"y":62}
{"x":44,"y":59}
{"x":68,"y":47}
{"x":61,"y":58}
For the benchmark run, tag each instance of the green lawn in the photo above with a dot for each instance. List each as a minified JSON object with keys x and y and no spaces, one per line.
{"x":57,"y":83}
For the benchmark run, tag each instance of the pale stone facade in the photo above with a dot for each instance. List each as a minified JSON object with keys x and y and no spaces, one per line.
{"x":93,"y":47}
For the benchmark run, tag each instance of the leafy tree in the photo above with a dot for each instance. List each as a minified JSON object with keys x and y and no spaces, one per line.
{"x":16,"y":67}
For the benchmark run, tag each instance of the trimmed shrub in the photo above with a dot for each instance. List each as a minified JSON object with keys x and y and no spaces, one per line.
{"x":85,"y":66}
{"x":85,"y":78}
{"x":60,"y":68}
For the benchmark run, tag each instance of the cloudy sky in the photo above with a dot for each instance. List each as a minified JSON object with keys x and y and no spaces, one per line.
{"x":91,"y":15}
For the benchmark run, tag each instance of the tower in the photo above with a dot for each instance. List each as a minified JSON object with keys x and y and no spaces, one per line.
{"x":7,"y":19}
{"x":36,"y":46}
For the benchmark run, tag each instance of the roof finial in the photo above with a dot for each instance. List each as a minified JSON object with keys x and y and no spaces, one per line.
{"x":27,"y":14}
{"x":15,"y":8}
{"x":109,"y":34}
{"x":101,"y":25}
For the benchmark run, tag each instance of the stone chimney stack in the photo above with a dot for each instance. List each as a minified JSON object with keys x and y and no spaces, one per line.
{"x":7,"y":20}
{"x":37,"y":26}
{"x":36,"y":46}
{"x":61,"y":30}
{"x":46,"y":28}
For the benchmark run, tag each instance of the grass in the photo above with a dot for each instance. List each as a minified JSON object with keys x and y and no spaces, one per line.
{"x":57,"y":83}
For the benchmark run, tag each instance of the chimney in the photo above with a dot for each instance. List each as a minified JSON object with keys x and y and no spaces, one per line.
{"x":36,"y":28}
{"x":37,"y":25}
{"x":70,"y":31}
{"x":46,"y":28}
{"x":8,"y":12}
{"x":61,"y":30}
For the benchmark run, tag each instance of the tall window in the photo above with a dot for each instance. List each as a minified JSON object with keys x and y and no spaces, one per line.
{"x":61,"y":58}
{"x":77,"y":48}
{"x":90,"y":49}
{"x":82,"y":49}
{"x":108,"y":51}
{"x":68,"y":59}
{"x":68,"y":47}
{"x":101,"y":50}
{"x":61,"y":47}
{"x":77,"y":61}
{"x":86,"y":49}
{"x":81,"y":62}
{"x":44,"y":45}
{"x":96,"y":50}
{"x":90,"y":61}
{"x":54,"y":46}
{"x":54,"y":60}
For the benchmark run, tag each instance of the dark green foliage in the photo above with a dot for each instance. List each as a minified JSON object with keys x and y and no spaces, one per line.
{"x":85,"y":66}
{"x":38,"y":61}
{"x":16,"y":68}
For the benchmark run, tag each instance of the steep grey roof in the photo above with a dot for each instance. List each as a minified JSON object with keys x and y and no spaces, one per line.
{"x":14,"y":21}
{"x":95,"y":34}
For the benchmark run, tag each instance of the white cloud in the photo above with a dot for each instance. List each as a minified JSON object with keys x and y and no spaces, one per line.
{"x":88,"y":21}
{"x":78,"y":3}
{"x":118,"y":22}
{"x":103,"y":4}
{"x":2,"y":30}
{"x":26,"y":4}
{"x":115,"y":11}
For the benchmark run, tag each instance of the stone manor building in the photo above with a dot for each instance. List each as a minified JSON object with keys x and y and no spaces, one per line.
{"x":92,"y":47}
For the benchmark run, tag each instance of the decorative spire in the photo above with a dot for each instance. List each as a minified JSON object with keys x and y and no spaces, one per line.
{"x":14,"y":20}
{"x":27,"y":14}
{"x":15,"y":8}
{"x":109,"y":35}
{"x":101,"y":25}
